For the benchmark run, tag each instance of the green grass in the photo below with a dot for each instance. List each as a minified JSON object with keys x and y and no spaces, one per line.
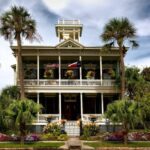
{"x":117,"y":144}
{"x":32,"y":144}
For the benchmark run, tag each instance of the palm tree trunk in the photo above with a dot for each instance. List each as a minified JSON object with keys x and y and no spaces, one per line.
{"x":20,"y":67}
{"x":122,"y":69}
{"x":126,"y":133}
{"x":22,"y":132}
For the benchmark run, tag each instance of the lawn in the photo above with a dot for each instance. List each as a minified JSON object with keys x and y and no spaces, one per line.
{"x":31,"y":144}
{"x":117,"y":144}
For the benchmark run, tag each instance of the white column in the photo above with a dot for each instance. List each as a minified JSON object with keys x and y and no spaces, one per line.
{"x":38,"y":101}
{"x":79,"y":36}
{"x":38,"y":69}
{"x":59,"y":57}
{"x":102,"y":103}
{"x":74,"y":34}
{"x":59,"y":106}
{"x":81,"y":105}
{"x":80,"y":58}
{"x":59,"y":36}
{"x":101,"y":69}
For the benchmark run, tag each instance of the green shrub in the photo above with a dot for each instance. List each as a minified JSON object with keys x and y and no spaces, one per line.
{"x":90,"y":130}
{"x":63,"y":137}
{"x":48,"y":136}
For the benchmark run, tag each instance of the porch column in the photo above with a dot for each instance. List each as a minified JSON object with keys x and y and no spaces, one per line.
{"x":78,"y":35}
{"x":59,"y":36}
{"x":74,"y":34}
{"x":59,"y":57}
{"x":102,"y":103}
{"x":81,"y":105}
{"x":101,"y":69}
{"x":80,"y":59}
{"x":38,"y":69}
{"x":59,"y":106}
{"x":38,"y":101}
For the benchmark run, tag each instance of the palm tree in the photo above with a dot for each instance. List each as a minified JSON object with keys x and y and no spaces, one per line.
{"x":22,"y":113}
{"x":119,"y":31}
{"x":17,"y":24}
{"x":129,"y":113}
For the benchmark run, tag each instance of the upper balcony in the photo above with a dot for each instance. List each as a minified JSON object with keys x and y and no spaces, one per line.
{"x":54,"y":72}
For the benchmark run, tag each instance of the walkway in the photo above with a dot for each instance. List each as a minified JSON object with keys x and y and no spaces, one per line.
{"x":74,"y":143}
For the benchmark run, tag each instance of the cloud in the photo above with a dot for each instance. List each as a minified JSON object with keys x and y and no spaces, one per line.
{"x":97,"y":12}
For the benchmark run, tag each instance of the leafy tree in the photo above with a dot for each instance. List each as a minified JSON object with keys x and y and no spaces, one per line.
{"x":126,"y":112}
{"x":22,"y":113}
{"x":146,"y":73}
{"x":136,"y":85}
{"x":145,"y":106}
{"x":119,"y":31}
{"x":132,"y":78}
{"x":17,"y":24}
{"x":12,"y":92}
{"x":7,"y":95}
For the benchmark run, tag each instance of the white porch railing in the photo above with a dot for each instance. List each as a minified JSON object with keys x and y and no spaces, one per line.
{"x":42,"y":118}
{"x":68,"y":21}
{"x":70,"y":82}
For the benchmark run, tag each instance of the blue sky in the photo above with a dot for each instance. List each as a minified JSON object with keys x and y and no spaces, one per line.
{"x":93,"y":14}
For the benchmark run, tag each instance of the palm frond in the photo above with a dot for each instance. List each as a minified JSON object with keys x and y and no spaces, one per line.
{"x":134,"y":43}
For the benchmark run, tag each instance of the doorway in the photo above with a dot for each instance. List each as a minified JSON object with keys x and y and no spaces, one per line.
{"x":71,"y":106}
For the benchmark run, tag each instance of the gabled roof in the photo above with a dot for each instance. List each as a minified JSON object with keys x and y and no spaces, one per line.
{"x":69,"y":43}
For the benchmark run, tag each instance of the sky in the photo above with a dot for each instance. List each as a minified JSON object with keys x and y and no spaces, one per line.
{"x":93,"y":14}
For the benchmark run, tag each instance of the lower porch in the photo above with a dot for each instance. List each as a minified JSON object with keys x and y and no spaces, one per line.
{"x":71,"y":106}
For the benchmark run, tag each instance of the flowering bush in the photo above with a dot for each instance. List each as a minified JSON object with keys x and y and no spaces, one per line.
{"x":4,"y":137}
{"x":32,"y":137}
{"x":52,"y":128}
{"x":139,"y":136}
{"x":116,"y":136}
{"x":133,"y":136}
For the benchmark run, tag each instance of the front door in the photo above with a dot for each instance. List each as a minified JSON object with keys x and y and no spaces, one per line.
{"x":70,"y":107}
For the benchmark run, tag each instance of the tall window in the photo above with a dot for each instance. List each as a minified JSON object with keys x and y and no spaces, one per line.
{"x":30,"y":67}
{"x":50,"y":103}
{"x":91,"y":103}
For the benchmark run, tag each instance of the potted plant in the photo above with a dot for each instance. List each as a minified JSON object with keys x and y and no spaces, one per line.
{"x":90,"y":74}
{"x":49,"y":74}
{"x":93,"y":118}
{"x":69,"y":74}
{"x":49,"y":118}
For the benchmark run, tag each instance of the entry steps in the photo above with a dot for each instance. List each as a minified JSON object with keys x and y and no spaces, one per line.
{"x":72,"y":128}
